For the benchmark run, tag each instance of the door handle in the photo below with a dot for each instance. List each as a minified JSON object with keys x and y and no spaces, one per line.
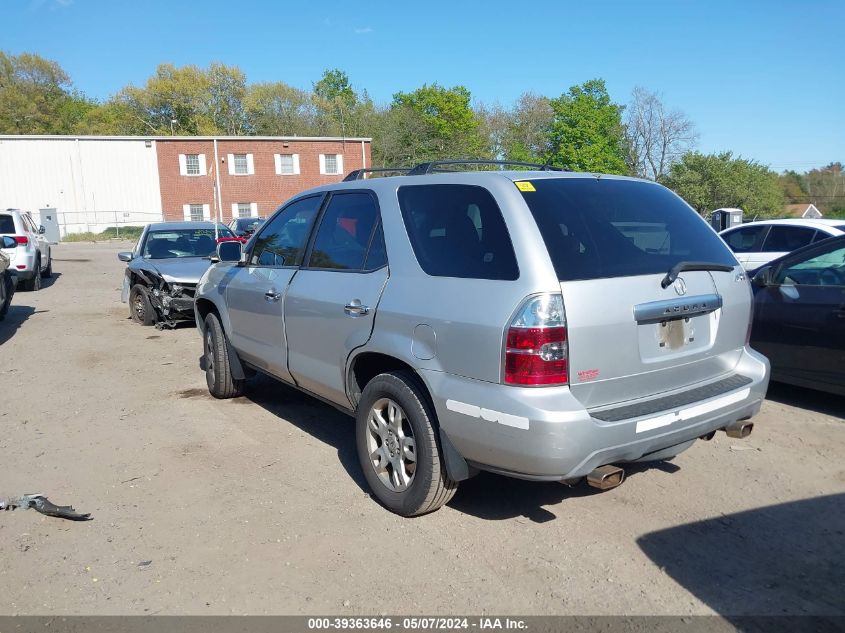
{"x":272,"y":296}
{"x":355,"y":308}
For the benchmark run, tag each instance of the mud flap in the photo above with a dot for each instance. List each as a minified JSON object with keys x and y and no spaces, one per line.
{"x":456,"y":465}
{"x":235,"y":365}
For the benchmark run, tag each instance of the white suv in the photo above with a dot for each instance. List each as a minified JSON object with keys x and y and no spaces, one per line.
{"x":30,"y":259}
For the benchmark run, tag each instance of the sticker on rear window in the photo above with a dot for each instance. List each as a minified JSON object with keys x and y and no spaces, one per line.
{"x":524,"y":185}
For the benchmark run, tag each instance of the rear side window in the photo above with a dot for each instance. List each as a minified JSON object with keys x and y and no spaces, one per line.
{"x":601,"y":227}
{"x":377,"y":257}
{"x":787,"y":238}
{"x":282,"y":241}
{"x":747,"y":239}
{"x":345,"y":231}
{"x":457,"y":231}
{"x":7,"y":224}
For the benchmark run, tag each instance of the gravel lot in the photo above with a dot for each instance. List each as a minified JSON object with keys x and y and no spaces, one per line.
{"x":257,"y":505}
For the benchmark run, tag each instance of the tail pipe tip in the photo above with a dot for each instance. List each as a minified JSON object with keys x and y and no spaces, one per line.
{"x":606,"y":477}
{"x":740,"y":429}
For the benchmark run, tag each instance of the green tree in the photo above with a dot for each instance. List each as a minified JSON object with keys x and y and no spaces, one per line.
{"x":442,"y":123}
{"x":400,"y":137}
{"x":521,"y":133}
{"x":37,"y":97}
{"x":586,"y":131}
{"x":277,"y":109}
{"x":225,"y":105}
{"x":336,"y":102}
{"x":712,"y":181}
{"x":826,"y":188}
{"x":334,"y":85}
{"x":188,"y":100}
{"x":171,"y":99}
{"x":110,"y":118}
{"x":794,"y":187}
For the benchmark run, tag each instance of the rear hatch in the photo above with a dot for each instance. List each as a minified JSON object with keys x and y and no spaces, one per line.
{"x":633,"y":330}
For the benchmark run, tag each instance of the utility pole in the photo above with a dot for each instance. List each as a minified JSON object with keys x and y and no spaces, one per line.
{"x":218,"y":199}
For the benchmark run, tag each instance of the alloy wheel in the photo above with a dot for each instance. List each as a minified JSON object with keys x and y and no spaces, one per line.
{"x":209,"y":357}
{"x":391,"y":445}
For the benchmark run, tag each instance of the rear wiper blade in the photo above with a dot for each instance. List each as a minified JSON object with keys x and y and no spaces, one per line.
{"x":680,"y":267}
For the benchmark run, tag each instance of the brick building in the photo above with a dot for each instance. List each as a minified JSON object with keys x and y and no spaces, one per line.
{"x":90,"y":183}
{"x":256,"y":174}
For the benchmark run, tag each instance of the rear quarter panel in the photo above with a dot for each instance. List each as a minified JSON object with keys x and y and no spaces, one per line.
{"x":468,"y":316}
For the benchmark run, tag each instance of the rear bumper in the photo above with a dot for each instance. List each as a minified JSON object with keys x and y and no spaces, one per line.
{"x":21,"y":257}
{"x":546,"y":434}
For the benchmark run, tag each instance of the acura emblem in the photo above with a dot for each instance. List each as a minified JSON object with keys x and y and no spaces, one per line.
{"x":680,"y":286}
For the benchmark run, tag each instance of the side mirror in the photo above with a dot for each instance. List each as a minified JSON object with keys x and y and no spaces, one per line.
{"x":763,"y":277}
{"x":229,"y":251}
{"x":125,"y":256}
{"x":9,"y":242}
{"x":41,"y":230}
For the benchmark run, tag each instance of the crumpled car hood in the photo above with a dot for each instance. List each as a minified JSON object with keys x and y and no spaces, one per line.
{"x":185,"y":270}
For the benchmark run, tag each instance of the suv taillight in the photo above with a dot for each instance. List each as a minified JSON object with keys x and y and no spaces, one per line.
{"x":22,"y":240}
{"x":536,"y":348}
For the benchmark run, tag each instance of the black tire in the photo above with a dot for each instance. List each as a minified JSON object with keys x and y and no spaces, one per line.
{"x":430,"y":486}
{"x":218,"y":371}
{"x":48,"y":272}
{"x":8,"y":293}
{"x":140,"y":308}
{"x":34,"y":283}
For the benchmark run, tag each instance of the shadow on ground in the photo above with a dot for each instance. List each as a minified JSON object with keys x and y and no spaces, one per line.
{"x":321,"y":421}
{"x":810,"y":399}
{"x":15,"y":318}
{"x":487,"y":496}
{"x":786,"y":559}
{"x":495,"y":498}
{"x":50,"y":281}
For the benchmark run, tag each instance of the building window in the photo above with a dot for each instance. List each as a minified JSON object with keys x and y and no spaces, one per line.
{"x":241,"y":164}
{"x":244,"y":210}
{"x":192,"y":164}
{"x":197,"y":213}
{"x":287,"y":164}
{"x":331,"y":164}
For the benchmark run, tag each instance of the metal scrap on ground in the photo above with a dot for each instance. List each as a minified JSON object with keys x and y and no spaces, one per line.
{"x":40,"y":503}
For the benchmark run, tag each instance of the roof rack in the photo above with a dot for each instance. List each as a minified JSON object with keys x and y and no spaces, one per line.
{"x":432,"y":166}
{"x":360,"y":174}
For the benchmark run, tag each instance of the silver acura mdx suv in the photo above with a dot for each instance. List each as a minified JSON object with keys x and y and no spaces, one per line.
{"x":538,"y":324}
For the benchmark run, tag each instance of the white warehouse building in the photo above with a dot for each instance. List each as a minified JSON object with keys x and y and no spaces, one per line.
{"x":86,"y":183}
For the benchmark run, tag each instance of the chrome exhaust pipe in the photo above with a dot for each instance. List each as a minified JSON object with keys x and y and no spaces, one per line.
{"x":606,"y":477}
{"x":740,"y":429}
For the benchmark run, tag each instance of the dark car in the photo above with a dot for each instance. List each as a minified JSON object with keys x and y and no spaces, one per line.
{"x":164,"y":268}
{"x":799,"y":316}
{"x":243,"y":228}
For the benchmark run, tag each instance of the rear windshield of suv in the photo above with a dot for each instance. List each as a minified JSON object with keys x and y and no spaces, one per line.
{"x":7,"y":224}
{"x":595,"y":228}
